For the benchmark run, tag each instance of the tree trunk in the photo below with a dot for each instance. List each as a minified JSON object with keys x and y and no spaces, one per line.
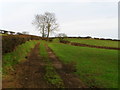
{"x":43,"y":34}
{"x":48,"y":32}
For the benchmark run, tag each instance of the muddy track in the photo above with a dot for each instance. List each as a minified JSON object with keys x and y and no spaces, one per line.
{"x":70,"y":80}
{"x":28,"y":74}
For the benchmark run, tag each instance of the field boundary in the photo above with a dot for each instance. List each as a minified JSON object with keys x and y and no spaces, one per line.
{"x":87,"y":45}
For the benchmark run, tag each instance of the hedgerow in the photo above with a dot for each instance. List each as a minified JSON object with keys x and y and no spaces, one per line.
{"x":9,"y":42}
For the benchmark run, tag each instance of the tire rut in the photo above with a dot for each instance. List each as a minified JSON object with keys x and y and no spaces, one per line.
{"x":30,"y":73}
{"x":70,"y":80}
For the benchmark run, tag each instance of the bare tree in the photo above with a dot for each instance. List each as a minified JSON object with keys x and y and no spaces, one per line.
{"x":46,"y":23}
{"x":51,"y":24}
{"x":39,"y":22}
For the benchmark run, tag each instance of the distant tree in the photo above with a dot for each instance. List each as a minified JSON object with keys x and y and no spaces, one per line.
{"x":11,"y":32}
{"x":25,"y":32}
{"x":46,"y":23}
{"x":18,"y":33}
{"x":61,"y":36}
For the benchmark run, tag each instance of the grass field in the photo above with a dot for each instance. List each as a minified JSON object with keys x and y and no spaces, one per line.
{"x":9,"y":59}
{"x":107,"y":43}
{"x":95,"y":67}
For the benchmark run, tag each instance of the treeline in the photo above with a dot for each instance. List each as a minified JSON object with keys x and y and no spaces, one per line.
{"x":9,"y":42}
{"x":88,"y":37}
{"x":11,"y":32}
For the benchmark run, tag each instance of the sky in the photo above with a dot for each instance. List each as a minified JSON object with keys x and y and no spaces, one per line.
{"x":96,"y":18}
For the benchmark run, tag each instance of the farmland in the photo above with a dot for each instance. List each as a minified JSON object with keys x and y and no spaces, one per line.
{"x":61,"y":65}
{"x":92,"y":64}
{"x":56,"y":44}
{"x":107,"y":43}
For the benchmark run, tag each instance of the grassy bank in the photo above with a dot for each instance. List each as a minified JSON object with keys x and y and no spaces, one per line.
{"x":106,"y":43}
{"x":95,"y":67}
{"x":17,"y":55}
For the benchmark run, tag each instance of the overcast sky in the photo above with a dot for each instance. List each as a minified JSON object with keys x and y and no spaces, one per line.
{"x":96,"y":18}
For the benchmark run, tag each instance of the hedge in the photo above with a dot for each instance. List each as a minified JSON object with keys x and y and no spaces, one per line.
{"x":9,"y":42}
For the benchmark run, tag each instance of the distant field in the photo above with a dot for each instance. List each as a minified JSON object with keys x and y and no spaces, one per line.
{"x":3,"y":34}
{"x":95,"y":67}
{"x":107,"y":43}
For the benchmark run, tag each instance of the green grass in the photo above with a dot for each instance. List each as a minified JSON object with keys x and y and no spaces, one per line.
{"x":43,"y":51}
{"x":50,"y":73}
{"x":56,"y":40}
{"x":17,"y":55}
{"x":107,"y":43}
{"x":95,"y":67}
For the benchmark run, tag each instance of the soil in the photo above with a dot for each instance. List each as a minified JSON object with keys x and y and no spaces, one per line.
{"x":70,"y":80}
{"x":28,"y":74}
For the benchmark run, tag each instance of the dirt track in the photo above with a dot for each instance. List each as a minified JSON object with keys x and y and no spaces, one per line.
{"x":30,"y":73}
{"x":70,"y":80}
